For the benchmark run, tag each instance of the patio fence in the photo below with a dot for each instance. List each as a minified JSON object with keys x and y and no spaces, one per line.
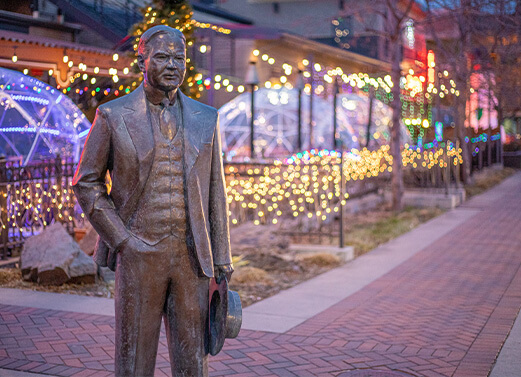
{"x":33,"y":197}
{"x":308,"y":194}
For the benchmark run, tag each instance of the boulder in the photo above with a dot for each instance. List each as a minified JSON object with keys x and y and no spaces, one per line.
{"x":88,"y":242}
{"x":106,"y":274}
{"x":54,"y":258}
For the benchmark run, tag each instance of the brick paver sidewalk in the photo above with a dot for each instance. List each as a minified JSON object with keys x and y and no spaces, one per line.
{"x":444,"y":312}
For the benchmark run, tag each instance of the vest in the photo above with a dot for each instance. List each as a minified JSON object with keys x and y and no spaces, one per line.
{"x":161,"y":210}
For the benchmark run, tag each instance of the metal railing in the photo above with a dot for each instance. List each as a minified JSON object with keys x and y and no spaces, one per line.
{"x":33,"y":197}
{"x":120,"y":15}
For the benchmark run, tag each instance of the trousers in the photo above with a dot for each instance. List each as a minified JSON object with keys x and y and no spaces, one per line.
{"x":162,"y":282}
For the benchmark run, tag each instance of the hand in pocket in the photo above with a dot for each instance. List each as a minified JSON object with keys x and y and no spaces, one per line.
{"x":134,"y":244}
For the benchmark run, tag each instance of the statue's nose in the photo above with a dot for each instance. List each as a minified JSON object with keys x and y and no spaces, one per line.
{"x":171,"y":64}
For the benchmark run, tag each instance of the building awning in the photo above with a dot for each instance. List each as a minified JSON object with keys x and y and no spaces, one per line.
{"x":22,"y":38}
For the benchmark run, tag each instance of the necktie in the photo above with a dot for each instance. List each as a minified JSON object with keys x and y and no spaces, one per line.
{"x":167,"y":120}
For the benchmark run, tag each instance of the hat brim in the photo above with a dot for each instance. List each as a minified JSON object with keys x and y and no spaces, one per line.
{"x":218,"y":312}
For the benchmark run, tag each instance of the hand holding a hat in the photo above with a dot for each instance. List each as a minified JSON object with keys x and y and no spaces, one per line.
{"x":222,"y":270}
{"x":225,"y":309}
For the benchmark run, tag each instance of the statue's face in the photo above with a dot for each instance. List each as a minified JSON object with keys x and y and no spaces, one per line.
{"x":164,"y":63}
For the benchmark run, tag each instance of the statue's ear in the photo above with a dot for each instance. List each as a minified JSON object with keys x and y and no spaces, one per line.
{"x":141,"y":63}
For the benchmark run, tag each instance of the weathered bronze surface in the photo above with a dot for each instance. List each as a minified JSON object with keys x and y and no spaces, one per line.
{"x":164,"y":226}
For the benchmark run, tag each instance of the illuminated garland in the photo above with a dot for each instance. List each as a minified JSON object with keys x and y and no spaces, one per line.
{"x":35,"y":203}
{"x":413,"y":103}
{"x":483,"y":138}
{"x":305,"y":184}
{"x":308,"y":184}
{"x":207,"y":25}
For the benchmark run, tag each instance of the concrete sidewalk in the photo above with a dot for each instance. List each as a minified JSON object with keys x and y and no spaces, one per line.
{"x":437,"y":301}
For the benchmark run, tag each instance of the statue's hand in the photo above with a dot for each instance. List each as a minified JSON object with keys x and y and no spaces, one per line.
{"x":223,"y":270}
{"x":132,"y":243}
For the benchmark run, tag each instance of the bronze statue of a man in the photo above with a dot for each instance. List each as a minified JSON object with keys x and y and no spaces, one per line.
{"x":164,"y":225}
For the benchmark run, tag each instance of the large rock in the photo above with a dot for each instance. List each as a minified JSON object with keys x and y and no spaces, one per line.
{"x":88,"y":242}
{"x":106,"y":274}
{"x":53,"y":258}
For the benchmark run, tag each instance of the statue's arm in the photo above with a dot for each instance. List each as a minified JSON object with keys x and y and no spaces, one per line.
{"x":218,"y":208}
{"x":89,"y":184}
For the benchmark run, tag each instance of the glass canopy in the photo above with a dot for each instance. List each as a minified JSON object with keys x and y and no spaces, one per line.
{"x":37,"y":121}
{"x":276,"y":123}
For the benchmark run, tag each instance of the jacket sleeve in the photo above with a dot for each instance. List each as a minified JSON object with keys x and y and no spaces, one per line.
{"x":218,"y":206}
{"x":89,"y":184}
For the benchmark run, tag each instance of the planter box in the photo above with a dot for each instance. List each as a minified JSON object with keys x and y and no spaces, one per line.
{"x":512,"y":159}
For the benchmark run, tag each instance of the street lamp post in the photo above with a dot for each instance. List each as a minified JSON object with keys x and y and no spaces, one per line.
{"x":342,"y":189}
{"x":300,"y":86}
{"x":252,"y":79}
{"x":311,"y":90}
{"x":335,"y":97}
{"x":370,"y":116}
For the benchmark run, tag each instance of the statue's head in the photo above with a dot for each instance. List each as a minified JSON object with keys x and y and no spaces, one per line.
{"x":162,"y":57}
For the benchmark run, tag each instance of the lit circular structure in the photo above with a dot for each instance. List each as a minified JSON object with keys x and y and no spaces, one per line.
{"x":37,"y":121}
{"x":276,"y":123}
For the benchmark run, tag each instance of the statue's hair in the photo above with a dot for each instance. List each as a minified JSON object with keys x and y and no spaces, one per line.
{"x":155,"y":31}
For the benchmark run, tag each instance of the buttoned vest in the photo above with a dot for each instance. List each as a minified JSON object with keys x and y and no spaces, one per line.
{"x":161,"y":210}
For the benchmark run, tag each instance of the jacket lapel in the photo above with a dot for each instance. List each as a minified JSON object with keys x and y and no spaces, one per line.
{"x":193,"y":131}
{"x":139,"y":126}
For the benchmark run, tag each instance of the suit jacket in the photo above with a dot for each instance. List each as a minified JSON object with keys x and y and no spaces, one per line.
{"x":121,"y":141}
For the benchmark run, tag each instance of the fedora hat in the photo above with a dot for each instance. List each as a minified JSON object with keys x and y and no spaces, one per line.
{"x":225,"y":314}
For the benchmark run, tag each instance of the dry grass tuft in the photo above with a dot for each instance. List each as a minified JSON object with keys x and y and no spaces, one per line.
{"x":251,"y":276}
{"x":239,"y":261}
{"x":10,"y":276}
{"x":383,"y":226}
{"x":319,"y":260}
{"x":487,"y":179}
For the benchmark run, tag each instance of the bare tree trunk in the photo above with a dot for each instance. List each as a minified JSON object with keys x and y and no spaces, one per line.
{"x":397,"y":173}
{"x":461,"y":131}
{"x":500,"y":118}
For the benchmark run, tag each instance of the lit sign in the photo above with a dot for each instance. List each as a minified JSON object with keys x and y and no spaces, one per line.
{"x":431,"y":64}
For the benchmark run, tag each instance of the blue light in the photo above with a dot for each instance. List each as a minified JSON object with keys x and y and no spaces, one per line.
{"x":20,"y":97}
{"x":85,"y":133}
{"x":42,"y":110}
{"x":30,"y":129}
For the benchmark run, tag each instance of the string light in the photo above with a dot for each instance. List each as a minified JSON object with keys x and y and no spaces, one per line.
{"x":206,"y":25}
{"x":309,"y":183}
